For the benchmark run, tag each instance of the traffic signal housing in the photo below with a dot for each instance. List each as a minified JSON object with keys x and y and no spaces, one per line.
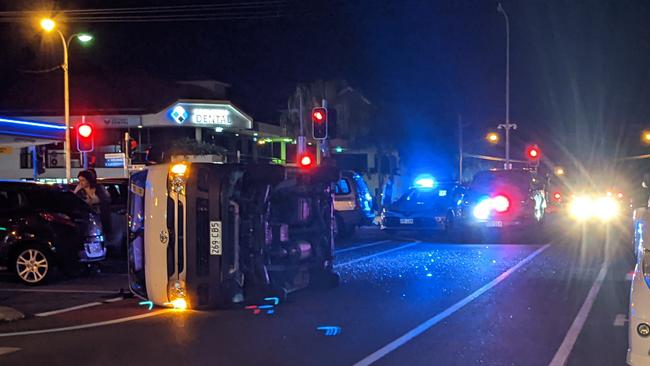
{"x":319,"y":123}
{"x":85,"y":137}
{"x":533,"y":154}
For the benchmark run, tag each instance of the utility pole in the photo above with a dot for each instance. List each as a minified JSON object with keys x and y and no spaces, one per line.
{"x":460,"y":149}
{"x":507,"y":126}
{"x":302,"y":140}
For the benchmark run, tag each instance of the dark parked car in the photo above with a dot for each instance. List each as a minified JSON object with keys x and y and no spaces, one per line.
{"x":435,"y":208}
{"x":43,"y":227}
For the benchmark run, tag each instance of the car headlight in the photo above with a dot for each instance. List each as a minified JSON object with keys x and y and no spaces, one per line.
{"x":581,"y":208}
{"x":606,"y":208}
{"x":177,"y":177}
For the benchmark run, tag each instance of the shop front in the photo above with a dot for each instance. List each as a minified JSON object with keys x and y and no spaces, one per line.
{"x":213,"y":128}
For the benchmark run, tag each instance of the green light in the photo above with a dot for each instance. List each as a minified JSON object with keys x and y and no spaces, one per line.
{"x":3,"y":228}
{"x":84,"y":37}
{"x":338,"y":149}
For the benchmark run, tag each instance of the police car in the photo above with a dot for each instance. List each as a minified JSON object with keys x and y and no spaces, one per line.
{"x":503,"y":199}
{"x":427,"y":206}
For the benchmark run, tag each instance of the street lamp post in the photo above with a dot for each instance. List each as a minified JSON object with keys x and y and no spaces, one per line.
{"x":507,"y":126}
{"x":48,"y":25}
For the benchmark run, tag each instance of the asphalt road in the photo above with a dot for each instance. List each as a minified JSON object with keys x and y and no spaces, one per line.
{"x":406,"y":301}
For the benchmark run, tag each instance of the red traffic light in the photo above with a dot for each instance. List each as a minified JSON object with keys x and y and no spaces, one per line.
{"x":533,"y":153}
{"x":85,"y":130}
{"x":85,"y":138}
{"x":306,"y":161}
{"x":319,"y":123}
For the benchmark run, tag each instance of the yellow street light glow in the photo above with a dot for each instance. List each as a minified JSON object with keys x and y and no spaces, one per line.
{"x":84,"y":37}
{"x":48,"y":24}
{"x":559,"y":171}
{"x":645,"y":136}
{"x":492,"y":137}
{"x":179,"y":169}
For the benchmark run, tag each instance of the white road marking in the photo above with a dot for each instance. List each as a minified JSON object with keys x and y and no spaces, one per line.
{"x":620,"y":320}
{"x":343,"y":250}
{"x":7,"y":350}
{"x":65,"y":310}
{"x":115,"y":299}
{"x":59,"y":291}
{"x":79,"y":307}
{"x":569,"y":341}
{"x":376,"y":254}
{"x":86,"y":326}
{"x":390,"y":347}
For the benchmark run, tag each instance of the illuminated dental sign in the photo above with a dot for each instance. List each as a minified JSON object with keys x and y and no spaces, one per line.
{"x":204,"y":114}
{"x":210,"y":116}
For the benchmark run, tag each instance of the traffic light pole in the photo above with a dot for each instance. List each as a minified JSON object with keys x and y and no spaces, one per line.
{"x":507,"y":126}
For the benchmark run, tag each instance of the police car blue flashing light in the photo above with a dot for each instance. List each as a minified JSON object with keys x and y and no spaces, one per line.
{"x":424,"y":181}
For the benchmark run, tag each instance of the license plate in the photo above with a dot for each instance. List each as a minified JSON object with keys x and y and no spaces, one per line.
{"x":406,"y":221}
{"x":215,"y":238}
{"x":494,"y":224}
{"x":94,"y":249}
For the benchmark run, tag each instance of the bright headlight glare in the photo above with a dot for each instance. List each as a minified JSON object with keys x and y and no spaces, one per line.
{"x":606,"y":208}
{"x":581,"y":208}
{"x":482,"y":209}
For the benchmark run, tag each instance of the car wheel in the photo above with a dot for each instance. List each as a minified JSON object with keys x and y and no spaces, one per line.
{"x":33,"y":265}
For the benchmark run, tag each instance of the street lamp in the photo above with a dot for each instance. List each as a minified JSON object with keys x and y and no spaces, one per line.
{"x":48,"y":26}
{"x":507,"y":126}
{"x":492,"y":137}
{"x":645,"y":136}
{"x":559,"y":171}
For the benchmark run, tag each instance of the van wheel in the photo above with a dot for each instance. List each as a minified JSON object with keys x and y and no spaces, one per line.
{"x":33,"y":265}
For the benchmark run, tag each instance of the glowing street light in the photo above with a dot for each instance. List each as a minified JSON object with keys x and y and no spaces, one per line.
{"x":645,"y":136}
{"x":48,"y":26}
{"x":492,"y":137}
{"x":559,"y":171}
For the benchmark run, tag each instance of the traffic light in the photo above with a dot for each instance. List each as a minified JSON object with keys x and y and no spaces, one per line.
{"x":85,"y":137}
{"x":305,"y":161}
{"x":319,"y":123}
{"x":533,"y":154}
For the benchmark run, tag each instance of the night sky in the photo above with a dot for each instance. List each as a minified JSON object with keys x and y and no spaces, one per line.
{"x":579,"y":69}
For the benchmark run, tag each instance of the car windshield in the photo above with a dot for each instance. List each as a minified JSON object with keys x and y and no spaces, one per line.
{"x":51,"y":199}
{"x":427,"y":197}
{"x":492,"y":178}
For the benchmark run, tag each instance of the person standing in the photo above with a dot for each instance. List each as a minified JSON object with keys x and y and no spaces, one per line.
{"x":96,"y":196}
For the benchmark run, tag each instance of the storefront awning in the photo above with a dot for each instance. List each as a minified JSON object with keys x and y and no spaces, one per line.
{"x":20,"y":133}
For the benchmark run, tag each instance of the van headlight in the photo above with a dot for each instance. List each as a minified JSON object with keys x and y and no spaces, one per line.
{"x":177,"y":295}
{"x":606,"y":208}
{"x":178,"y":174}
